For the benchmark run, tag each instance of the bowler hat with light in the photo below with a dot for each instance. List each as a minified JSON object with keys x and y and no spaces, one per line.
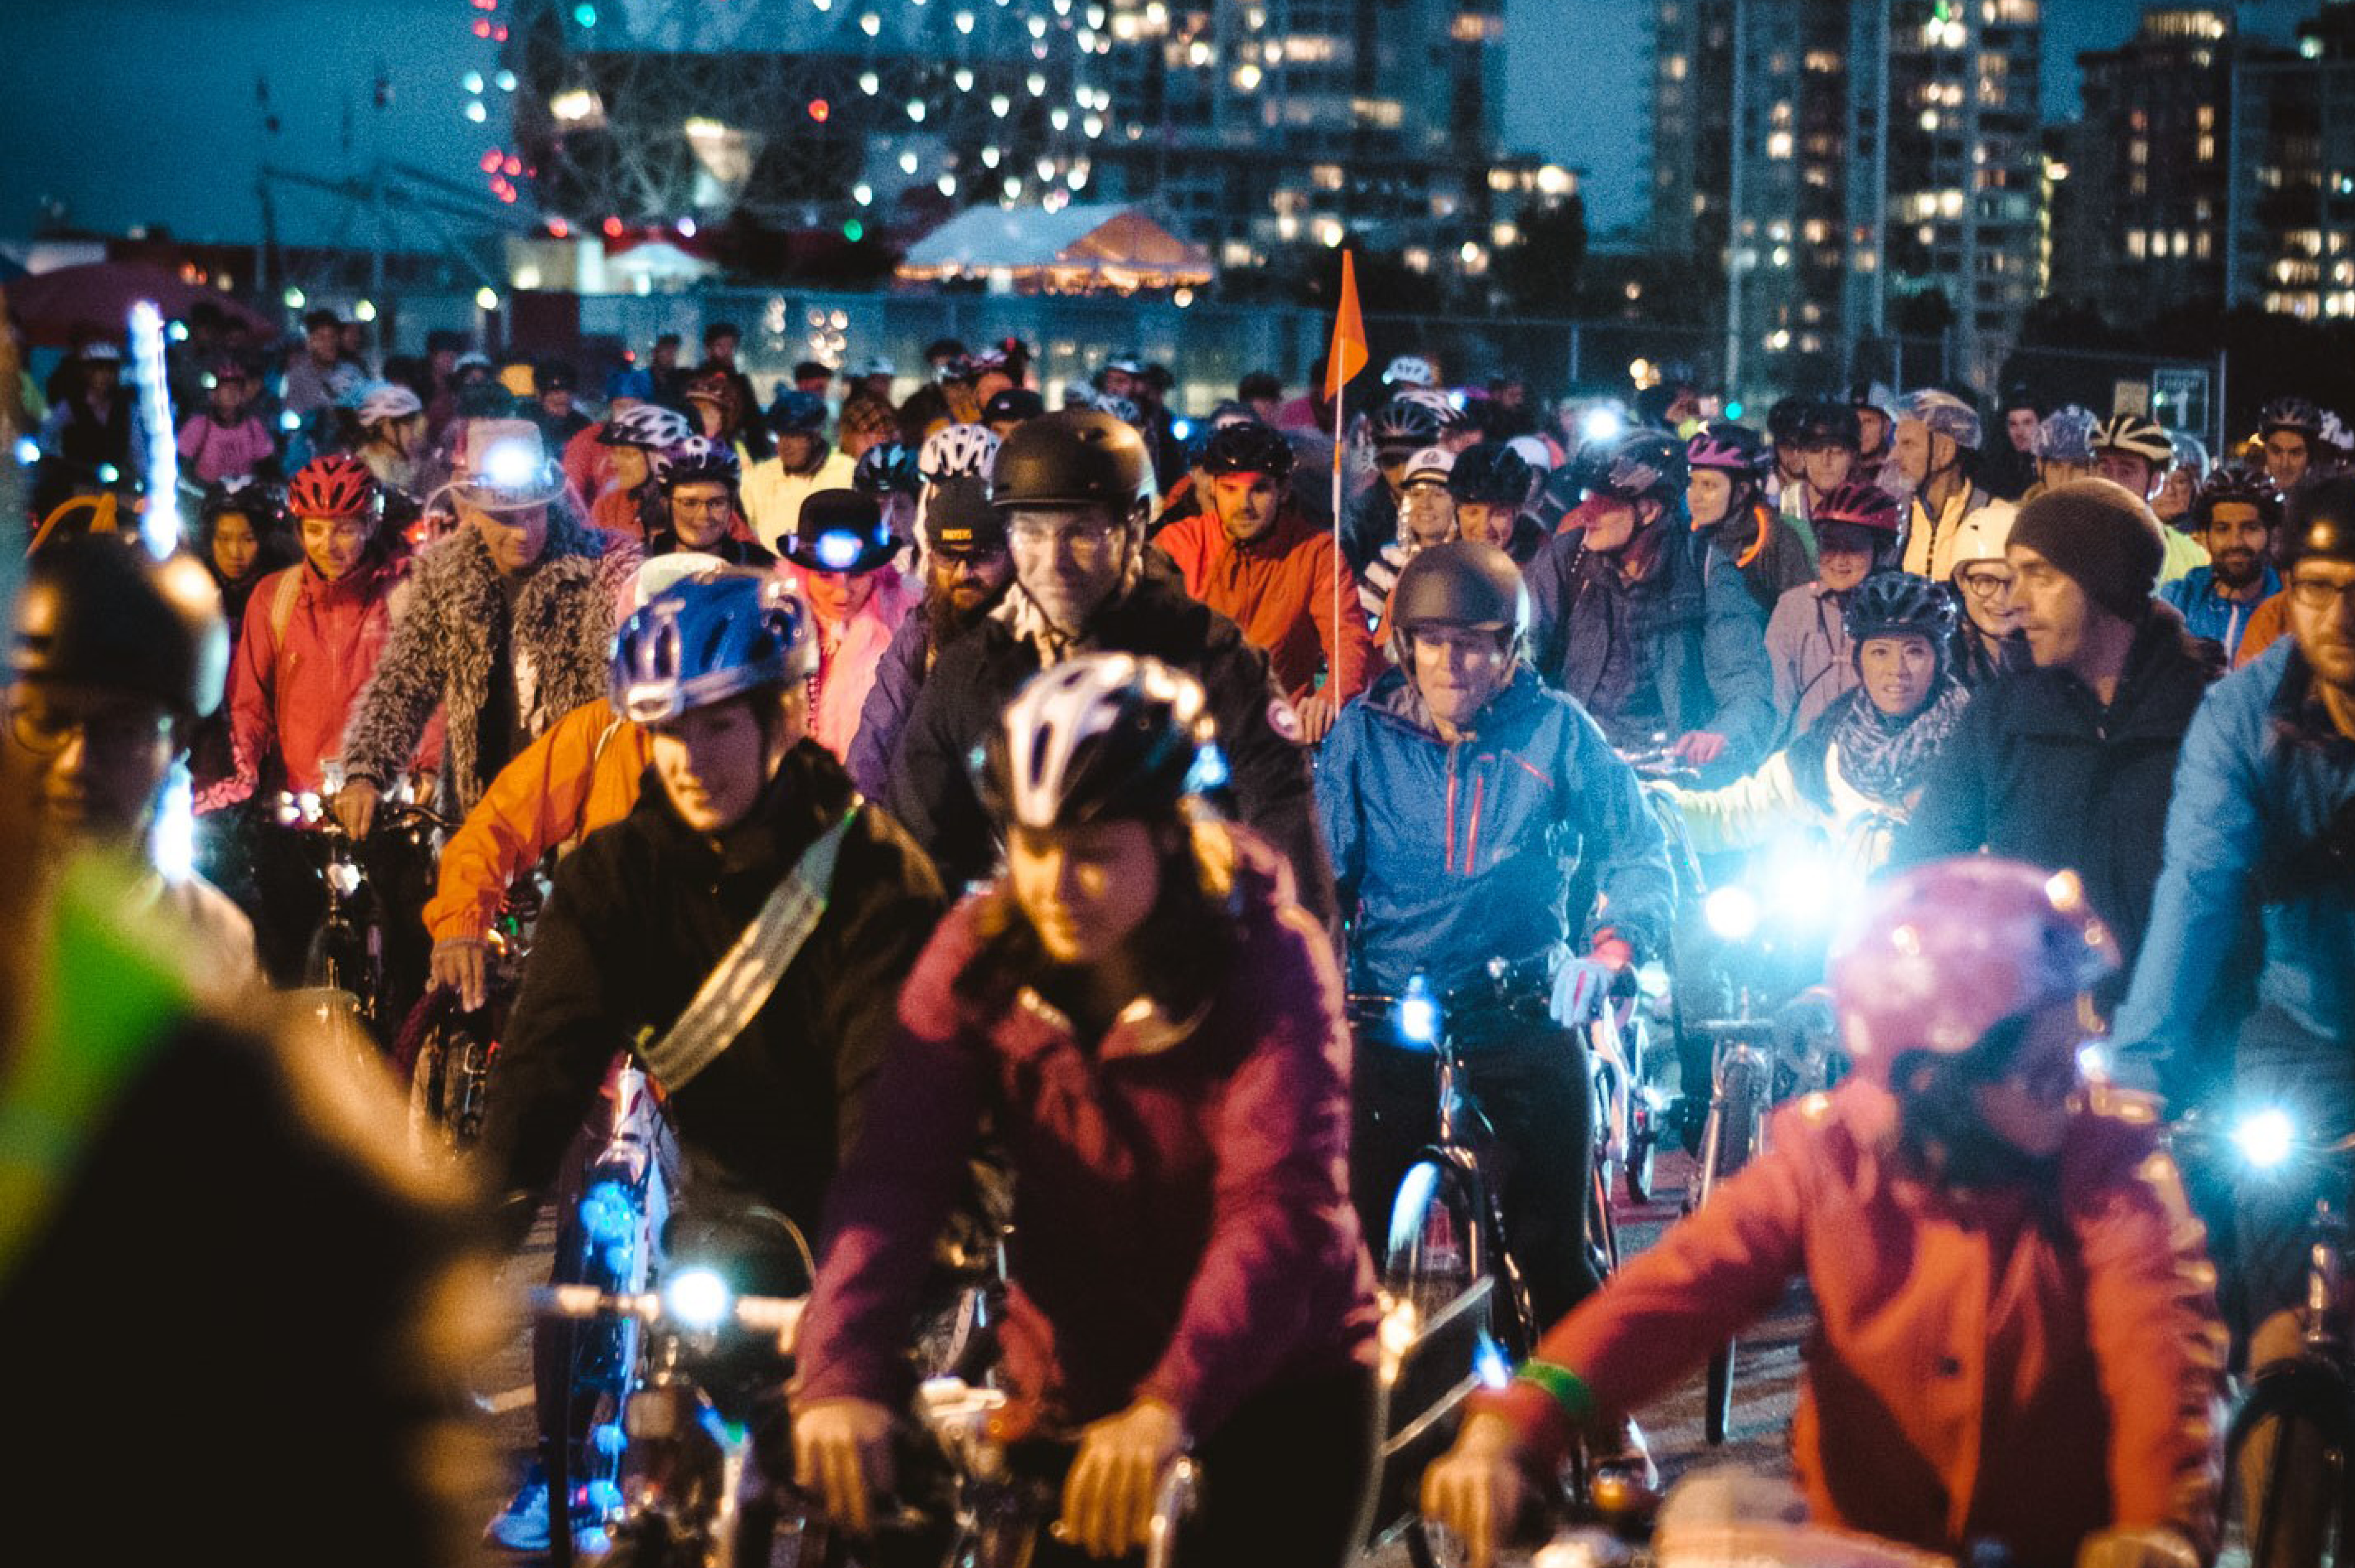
{"x":839,"y":530}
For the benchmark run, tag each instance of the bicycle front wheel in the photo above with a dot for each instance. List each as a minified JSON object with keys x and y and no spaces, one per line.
{"x":2287,"y":1472}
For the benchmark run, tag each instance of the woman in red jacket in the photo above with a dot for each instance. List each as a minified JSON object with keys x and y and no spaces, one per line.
{"x":2017,"y":1337}
{"x":312,"y":637}
{"x":1152,"y":1027}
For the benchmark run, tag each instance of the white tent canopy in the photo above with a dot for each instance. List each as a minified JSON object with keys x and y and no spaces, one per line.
{"x":1073,"y":249}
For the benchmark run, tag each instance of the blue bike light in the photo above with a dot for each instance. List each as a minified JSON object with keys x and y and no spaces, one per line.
{"x":698,"y":1299}
{"x":2264,"y":1137}
{"x":1490,"y":1364}
{"x":1418,"y":1013}
{"x":607,"y":1214}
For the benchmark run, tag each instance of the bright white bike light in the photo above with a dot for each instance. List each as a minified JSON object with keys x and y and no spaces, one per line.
{"x":1418,"y":1019}
{"x":2263,"y":1137}
{"x":697,"y":1299}
{"x":1602,"y":423}
{"x":1731,"y":912}
{"x":512,"y":465}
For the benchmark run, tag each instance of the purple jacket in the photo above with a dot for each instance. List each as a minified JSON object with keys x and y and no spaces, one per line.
{"x":1182,"y":1226}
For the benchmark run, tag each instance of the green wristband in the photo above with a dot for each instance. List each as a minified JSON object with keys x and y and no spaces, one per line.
{"x":1561,"y":1385}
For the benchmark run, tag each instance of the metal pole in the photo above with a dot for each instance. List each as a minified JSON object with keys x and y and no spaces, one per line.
{"x":2224,"y":414}
{"x":1737,"y":129}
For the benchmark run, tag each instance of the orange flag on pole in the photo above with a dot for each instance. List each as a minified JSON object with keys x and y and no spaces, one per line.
{"x":1348,"y":353}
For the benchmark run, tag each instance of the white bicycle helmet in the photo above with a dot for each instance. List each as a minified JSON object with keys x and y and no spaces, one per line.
{"x":959,"y":451}
{"x":649,"y":425}
{"x":1102,"y":736}
{"x":381,"y":400}
{"x":1410,"y":370}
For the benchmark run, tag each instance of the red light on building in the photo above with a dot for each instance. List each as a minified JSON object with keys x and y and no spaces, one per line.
{"x":819,"y":109}
{"x":612,"y":229}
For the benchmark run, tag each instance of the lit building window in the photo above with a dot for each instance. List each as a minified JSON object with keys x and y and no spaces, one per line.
{"x":1778,"y":145}
{"x":2136,"y":244}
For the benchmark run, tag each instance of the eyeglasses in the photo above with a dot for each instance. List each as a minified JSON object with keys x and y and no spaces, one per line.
{"x":699,"y":502}
{"x":1089,"y":535}
{"x":2313,"y":593}
{"x":46,"y":731}
{"x":1984,"y":584}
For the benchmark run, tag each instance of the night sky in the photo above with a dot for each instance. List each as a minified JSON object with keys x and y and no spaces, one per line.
{"x":144,"y":110}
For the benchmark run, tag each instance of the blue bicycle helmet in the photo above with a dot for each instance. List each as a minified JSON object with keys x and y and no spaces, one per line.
{"x":705,"y":640}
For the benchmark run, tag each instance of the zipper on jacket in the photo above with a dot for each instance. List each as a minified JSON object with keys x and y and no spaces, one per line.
{"x":1449,"y":862}
{"x":1472,"y":841}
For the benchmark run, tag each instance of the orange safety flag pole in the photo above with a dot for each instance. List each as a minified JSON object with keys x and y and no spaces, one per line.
{"x":1344,"y":360}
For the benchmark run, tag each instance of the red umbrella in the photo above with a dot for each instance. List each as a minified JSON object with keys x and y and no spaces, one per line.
{"x":53,"y":303}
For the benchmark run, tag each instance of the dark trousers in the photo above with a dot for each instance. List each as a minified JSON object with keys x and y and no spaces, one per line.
{"x":1535,"y":1094}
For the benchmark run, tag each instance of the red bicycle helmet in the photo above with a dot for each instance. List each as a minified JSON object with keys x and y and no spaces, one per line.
{"x":333,"y":487}
{"x":1859,"y":506}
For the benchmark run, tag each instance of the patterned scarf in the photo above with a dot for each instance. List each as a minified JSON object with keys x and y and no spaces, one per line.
{"x":1887,"y":758}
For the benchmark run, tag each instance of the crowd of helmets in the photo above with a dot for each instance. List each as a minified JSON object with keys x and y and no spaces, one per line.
{"x":1448,"y":454}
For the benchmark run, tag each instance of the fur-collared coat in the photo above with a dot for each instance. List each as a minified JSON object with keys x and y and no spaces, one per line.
{"x":561,"y":641}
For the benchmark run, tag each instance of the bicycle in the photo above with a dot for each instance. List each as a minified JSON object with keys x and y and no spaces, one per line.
{"x":347,"y":950}
{"x":1452,"y":1294}
{"x":2302,"y":1409}
{"x":446,"y":1053}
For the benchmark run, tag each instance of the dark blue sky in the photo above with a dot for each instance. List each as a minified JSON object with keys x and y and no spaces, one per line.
{"x":142,"y":111}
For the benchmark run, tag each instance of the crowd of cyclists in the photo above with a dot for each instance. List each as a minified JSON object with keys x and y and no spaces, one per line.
{"x":925,"y":775}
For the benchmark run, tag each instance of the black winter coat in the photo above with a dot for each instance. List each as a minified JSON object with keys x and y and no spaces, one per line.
{"x":977,"y":676}
{"x":2040,"y":772}
{"x":643,"y":912}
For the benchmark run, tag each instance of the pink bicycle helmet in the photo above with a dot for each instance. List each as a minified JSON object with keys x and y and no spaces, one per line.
{"x":1945,"y":952}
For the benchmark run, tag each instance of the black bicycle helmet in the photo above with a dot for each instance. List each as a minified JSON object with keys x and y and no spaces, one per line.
{"x":1073,"y":457}
{"x":1100,"y":737}
{"x":1460,"y":583}
{"x":1491,"y":473}
{"x":1727,"y":448}
{"x":259,"y":504}
{"x":1892,"y":602}
{"x":2246,"y":486}
{"x":888,"y":468}
{"x":1640,"y":464}
{"x":1782,"y":417}
{"x":1824,"y":423}
{"x":1248,"y":446}
{"x":96,"y":610}
{"x":2320,"y":525}
{"x":2299,"y":415}
{"x":1403,"y":424}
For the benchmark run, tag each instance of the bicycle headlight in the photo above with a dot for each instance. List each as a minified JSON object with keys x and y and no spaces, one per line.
{"x":1731,"y":912}
{"x":1418,"y":1014}
{"x":697,"y":1299}
{"x":2264,"y":1137}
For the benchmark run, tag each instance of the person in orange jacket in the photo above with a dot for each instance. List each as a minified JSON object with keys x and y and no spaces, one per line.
{"x":2018,"y":1338}
{"x":581,"y":775}
{"x":1251,"y":555}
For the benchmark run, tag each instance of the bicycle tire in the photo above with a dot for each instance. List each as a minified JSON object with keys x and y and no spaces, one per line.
{"x":2311,"y":1404}
{"x":1640,"y":1163}
{"x":1728,"y":1145}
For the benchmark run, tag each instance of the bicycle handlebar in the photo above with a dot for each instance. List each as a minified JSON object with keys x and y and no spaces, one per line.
{"x":769,"y":1315}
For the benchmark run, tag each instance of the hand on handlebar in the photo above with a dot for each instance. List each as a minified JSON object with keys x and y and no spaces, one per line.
{"x":1699,"y":747}
{"x":1582,"y":984}
{"x":355,"y":807}
{"x":1477,"y":1488}
{"x":842,"y":1452}
{"x":1108,"y":1499}
{"x":462,"y":964}
{"x":1317,"y":715}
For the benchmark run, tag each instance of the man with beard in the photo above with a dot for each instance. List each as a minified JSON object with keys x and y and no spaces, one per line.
{"x":966,"y":569}
{"x":1251,"y":555}
{"x":2258,"y":883}
{"x":2234,"y":514}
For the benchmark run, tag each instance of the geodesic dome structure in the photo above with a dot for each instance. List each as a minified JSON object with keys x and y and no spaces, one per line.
{"x":801,"y":113}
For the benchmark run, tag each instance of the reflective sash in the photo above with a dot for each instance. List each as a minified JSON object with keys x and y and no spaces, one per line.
{"x":104,"y":1000}
{"x":747,"y":973}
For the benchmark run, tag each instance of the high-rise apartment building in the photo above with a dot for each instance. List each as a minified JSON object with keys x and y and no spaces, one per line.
{"x":1256,"y":124}
{"x":1846,"y":161}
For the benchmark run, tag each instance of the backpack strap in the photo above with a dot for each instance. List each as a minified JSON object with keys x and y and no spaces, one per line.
{"x":283,"y":602}
{"x":747,"y":973}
